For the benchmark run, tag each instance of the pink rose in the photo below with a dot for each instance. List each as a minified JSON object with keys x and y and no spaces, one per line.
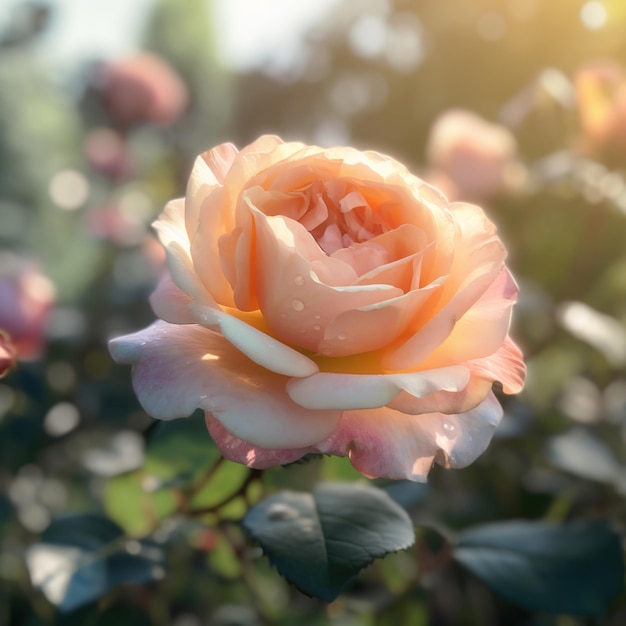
{"x":326,"y":300}
{"x":143,"y":88}
{"x":26,"y":300}
{"x":472,"y":159}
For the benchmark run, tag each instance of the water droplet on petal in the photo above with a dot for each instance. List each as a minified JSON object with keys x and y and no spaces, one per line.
{"x":318,"y":317}
{"x":342,"y":336}
{"x":299,"y":280}
{"x":317,"y":327}
{"x":448,"y":427}
{"x":297,"y":305}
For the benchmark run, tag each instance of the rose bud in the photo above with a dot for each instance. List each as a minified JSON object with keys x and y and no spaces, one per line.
{"x":601,"y":98}
{"x":472,"y":159}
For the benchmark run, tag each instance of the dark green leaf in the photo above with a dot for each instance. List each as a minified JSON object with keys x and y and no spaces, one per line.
{"x":82,"y":557}
{"x":407,"y":493}
{"x":320,"y":541}
{"x":576,"y":569}
{"x":579,"y":452}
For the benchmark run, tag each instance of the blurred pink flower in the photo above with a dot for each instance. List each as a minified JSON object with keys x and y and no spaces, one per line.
{"x":26,"y":299}
{"x":110,"y":222}
{"x":470,"y":158}
{"x":107,"y":153}
{"x":143,"y":88}
{"x":8,"y":354}
{"x":326,"y":300}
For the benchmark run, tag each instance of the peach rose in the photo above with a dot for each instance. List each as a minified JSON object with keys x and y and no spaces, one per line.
{"x":326,"y":300}
{"x":472,"y":159}
{"x":601,"y":99}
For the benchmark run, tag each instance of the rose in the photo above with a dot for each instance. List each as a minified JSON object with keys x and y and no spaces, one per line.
{"x":601,"y":99}
{"x":328,"y":301}
{"x":472,"y":159}
{"x":143,"y":88}
{"x":26,"y":300}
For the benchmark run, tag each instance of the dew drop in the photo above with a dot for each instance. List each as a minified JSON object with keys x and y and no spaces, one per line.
{"x":342,"y":336}
{"x":318,"y":317}
{"x":299,"y":280}
{"x":448,"y":427}
{"x":297,"y":305}
{"x":317,"y":327}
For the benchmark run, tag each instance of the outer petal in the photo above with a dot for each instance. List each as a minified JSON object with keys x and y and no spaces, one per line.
{"x":255,"y":344}
{"x":362,"y":391}
{"x":443,"y":401}
{"x":483,"y":329}
{"x":235,"y":449}
{"x":170,"y":227}
{"x":383,"y":443}
{"x":209,"y":170}
{"x":478,"y":260}
{"x":505,"y":366}
{"x":171,"y":303}
{"x":178,"y":369}
{"x":386,"y":443}
{"x":216,"y":213}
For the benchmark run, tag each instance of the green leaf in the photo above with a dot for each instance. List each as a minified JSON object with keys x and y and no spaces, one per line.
{"x":407,"y":493}
{"x":320,"y":541}
{"x":138,"y":509}
{"x":581,"y":453}
{"x":225,"y":482}
{"x":82,"y":557}
{"x":576,"y":568}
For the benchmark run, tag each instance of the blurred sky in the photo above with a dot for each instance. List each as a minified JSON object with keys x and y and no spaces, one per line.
{"x":250,"y":32}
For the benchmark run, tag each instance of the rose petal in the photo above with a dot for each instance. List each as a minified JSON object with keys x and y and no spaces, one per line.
{"x":295,"y":302}
{"x":351,"y":332}
{"x":209,"y":170}
{"x":235,"y":449}
{"x":173,"y":236}
{"x":478,"y":260}
{"x":327,"y":390}
{"x":448,"y":402}
{"x":255,"y":344}
{"x":505,"y":366}
{"x":177,"y":369}
{"x":170,"y":303}
{"x":385,"y":443}
{"x":482,"y":329}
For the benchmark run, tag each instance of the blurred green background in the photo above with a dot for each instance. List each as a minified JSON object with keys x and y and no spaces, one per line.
{"x":85,"y":168}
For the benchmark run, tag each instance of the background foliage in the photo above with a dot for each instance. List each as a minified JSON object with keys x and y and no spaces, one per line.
{"x":107,"y":518}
